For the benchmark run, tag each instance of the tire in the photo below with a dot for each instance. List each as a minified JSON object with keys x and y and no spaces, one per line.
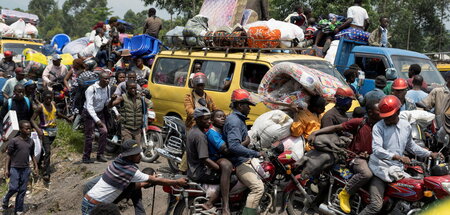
{"x":180,"y":208}
{"x":149,"y":154}
{"x":111,"y":148}
{"x":173,"y":166}
{"x":294,"y":203}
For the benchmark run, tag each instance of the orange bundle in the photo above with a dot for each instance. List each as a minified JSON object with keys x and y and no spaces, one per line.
{"x":263,"y":37}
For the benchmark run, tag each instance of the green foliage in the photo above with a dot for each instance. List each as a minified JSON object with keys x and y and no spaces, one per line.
{"x":70,"y":140}
{"x":137,"y":19}
{"x":76,"y":17}
{"x":185,"y":8}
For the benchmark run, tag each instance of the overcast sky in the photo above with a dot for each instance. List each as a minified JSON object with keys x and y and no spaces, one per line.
{"x":119,"y":7}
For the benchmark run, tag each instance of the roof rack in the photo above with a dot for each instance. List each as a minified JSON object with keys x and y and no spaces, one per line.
{"x":229,"y":45}
{"x":24,"y":39}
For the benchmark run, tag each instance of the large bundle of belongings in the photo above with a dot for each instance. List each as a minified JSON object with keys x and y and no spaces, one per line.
{"x":229,"y":24}
{"x":18,"y":24}
{"x":284,"y":84}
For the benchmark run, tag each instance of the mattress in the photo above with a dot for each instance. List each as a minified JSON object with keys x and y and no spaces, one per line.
{"x":223,"y":12}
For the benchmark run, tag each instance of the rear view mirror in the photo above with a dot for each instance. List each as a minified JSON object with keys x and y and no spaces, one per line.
{"x":361,"y":78}
{"x":391,"y":74}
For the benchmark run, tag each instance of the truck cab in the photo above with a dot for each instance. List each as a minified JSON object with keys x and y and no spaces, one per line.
{"x":390,"y":62}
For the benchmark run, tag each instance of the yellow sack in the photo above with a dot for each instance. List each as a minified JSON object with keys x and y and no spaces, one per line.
{"x":35,"y":56}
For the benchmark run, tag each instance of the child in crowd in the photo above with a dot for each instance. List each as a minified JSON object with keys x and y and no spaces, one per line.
{"x":47,"y":113}
{"x":216,"y":145}
{"x":17,"y":168}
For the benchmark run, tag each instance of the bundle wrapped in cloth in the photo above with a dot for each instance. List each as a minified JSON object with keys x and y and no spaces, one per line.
{"x":195,"y":29}
{"x":281,"y":34}
{"x":288,"y":83}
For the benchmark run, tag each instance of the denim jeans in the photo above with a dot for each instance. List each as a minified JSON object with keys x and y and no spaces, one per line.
{"x":86,"y":207}
{"x":17,"y":184}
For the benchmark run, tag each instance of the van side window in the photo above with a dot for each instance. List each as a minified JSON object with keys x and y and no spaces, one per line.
{"x":171,"y":71}
{"x":372,"y":66}
{"x":217,"y":72}
{"x":252,"y":74}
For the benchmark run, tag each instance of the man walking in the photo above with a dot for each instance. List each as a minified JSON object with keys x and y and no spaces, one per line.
{"x":119,"y":175}
{"x":8,"y":88}
{"x":132,"y":110}
{"x":17,"y":166}
{"x":236,"y":135}
{"x":97,"y":98}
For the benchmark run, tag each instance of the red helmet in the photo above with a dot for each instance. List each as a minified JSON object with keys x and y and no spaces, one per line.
{"x":241,"y":95}
{"x":199,"y":78}
{"x":389,"y":105}
{"x":400,"y":84}
{"x":345,"y":92}
{"x":7,"y":53}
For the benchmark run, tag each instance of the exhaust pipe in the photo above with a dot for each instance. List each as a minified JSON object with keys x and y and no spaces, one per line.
{"x":323,"y":209}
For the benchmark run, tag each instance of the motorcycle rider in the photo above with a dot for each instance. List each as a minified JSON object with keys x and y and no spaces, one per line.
{"x":338,"y":114}
{"x":132,"y":109}
{"x":54,"y":72}
{"x":201,"y":168}
{"x":307,"y":120}
{"x":361,"y":145}
{"x":197,"y":98}
{"x":236,"y":135}
{"x":391,"y":137}
{"x":7,"y":65}
{"x":399,"y":89}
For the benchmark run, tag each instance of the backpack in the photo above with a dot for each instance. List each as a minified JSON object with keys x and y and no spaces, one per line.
{"x":26,"y":101}
{"x":83,"y":83}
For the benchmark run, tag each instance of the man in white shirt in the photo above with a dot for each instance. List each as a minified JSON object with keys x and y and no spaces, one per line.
{"x":97,"y":98}
{"x":54,"y":72}
{"x":357,"y":17}
{"x":119,"y":175}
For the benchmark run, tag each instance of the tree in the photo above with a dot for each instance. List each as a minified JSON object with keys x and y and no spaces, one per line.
{"x":137,"y":19}
{"x":187,"y":8}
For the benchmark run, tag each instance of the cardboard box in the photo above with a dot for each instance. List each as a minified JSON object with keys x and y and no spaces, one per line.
{"x":10,"y":126}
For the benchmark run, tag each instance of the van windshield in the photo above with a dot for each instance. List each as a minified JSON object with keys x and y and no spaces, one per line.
{"x":321,"y":65}
{"x":429,"y":72}
{"x":17,"y":48}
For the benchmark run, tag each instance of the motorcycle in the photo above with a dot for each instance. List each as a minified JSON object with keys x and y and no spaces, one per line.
{"x":405,"y":196}
{"x":174,"y":143}
{"x":275,"y":171}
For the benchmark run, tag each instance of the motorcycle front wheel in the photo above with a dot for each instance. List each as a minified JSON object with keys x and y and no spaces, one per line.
{"x":154,"y":140}
{"x":181,"y":209}
{"x":295,"y":204}
{"x":173,"y":165}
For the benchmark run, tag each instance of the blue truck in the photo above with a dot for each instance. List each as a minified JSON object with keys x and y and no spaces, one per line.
{"x":390,"y":62}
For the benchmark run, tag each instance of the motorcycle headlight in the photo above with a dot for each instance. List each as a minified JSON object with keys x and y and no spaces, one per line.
{"x":446,"y":186}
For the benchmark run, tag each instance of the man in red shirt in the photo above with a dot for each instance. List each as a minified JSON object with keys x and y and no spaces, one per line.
{"x":361,"y":145}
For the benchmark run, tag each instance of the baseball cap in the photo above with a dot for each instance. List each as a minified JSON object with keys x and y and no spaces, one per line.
{"x":130,"y":147}
{"x":56,"y":57}
{"x":380,"y":81}
{"x":201,"y":111}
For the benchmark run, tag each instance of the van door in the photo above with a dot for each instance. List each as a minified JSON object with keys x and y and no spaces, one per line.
{"x":168,"y":86}
{"x":372,"y":66}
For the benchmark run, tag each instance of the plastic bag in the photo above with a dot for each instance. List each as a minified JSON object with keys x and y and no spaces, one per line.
{"x":17,"y":29}
{"x":31,"y":30}
{"x":331,"y":53}
{"x":196,"y":28}
{"x":288,"y":31}
{"x":76,"y":46}
{"x":4,"y":28}
{"x":423,"y":118}
{"x":270,"y":127}
{"x":296,"y":145}
{"x":175,"y":36}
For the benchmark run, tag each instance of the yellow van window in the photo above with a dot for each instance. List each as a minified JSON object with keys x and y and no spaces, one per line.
{"x":252,"y":74}
{"x":218,"y":73}
{"x":171,"y":71}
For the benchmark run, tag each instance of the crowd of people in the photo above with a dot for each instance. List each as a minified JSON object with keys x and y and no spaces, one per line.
{"x":319,"y":31}
{"x":217,"y":144}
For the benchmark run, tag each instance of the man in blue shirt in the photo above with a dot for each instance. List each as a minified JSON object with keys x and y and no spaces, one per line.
{"x":416,"y":94}
{"x":235,"y":134}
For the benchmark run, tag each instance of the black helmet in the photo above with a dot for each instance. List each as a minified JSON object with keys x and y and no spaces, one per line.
{"x":90,"y":64}
{"x":440,"y":170}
